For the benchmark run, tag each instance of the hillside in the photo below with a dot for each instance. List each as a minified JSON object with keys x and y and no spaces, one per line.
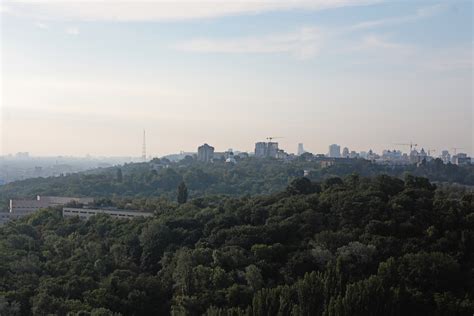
{"x":362,"y":246}
{"x":249,"y":176}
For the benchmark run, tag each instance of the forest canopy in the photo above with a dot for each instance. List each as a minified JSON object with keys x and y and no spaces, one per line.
{"x":342,"y":246}
{"x":160,"y":178}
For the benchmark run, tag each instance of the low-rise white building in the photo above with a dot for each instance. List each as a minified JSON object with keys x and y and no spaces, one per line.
{"x":61,"y":200}
{"x":25,"y":207}
{"x":22,"y":207}
{"x":85,"y":213}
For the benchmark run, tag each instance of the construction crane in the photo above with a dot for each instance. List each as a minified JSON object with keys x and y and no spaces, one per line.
{"x":456,"y":149}
{"x":411,"y":144}
{"x":273,"y":137}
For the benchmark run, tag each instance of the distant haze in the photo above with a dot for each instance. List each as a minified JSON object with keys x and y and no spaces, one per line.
{"x":88,"y":77}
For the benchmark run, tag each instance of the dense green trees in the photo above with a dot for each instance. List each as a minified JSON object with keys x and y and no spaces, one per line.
{"x":182,"y":193}
{"x":119,"y":175}
{"x":353,"y":246}
{"x":249,"y":176}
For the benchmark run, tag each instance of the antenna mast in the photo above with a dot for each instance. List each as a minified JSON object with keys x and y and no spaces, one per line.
{"x":144,"y":146}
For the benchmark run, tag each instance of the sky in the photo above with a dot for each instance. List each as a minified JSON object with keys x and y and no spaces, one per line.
{"x":86,"y":77}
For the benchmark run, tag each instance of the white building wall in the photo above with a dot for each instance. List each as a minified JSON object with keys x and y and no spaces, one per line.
{"x":85,"y":213}
{"x":26,"y":206}
{"x":61,"y":200}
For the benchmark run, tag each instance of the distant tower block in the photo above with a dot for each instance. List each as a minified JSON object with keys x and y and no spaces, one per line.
{"x":144,"y":147}
{"x":301,"y":149}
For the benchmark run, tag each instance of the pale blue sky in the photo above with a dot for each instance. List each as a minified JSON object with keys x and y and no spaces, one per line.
{"x":88,"y":77}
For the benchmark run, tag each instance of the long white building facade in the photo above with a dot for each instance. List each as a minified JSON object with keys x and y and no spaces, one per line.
{"x":23,"y":207}
{"x":85,"y":213}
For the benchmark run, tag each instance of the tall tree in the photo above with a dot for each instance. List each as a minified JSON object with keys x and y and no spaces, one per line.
{"x":182,"y":193}
{"x":119,"y":175}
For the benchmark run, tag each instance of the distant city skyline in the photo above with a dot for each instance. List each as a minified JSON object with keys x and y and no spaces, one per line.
{"x":337,"y":153}
{"x":88,"y":77}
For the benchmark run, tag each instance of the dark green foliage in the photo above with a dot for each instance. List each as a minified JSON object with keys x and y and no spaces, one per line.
{"x":348,"y":246}
{"x":182,"y":193}
{"x":302,"y":186}
{"x":248,"y":176}
{"x":119,"y":175}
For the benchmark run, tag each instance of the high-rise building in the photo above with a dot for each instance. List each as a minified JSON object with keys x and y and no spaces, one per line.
{"x":345,"y":152}
{"x":414,"y":156}
{"x":445,"y":156}
{"x":272,"y":149}
{"x":422,"y":155}
{"x":461,"y":159}
{"x":371,"y":155}
{"x":260,"y":149}
{"x":265,"y":150}
{"x":205,"y":153}
{"x":334,"y":151}
{"x":301,"y":149}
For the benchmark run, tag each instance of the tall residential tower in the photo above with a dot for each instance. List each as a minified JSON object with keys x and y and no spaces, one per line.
{"x":334,"y":151}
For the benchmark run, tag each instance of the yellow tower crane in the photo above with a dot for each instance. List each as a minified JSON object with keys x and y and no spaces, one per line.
{"x":270,"y":138}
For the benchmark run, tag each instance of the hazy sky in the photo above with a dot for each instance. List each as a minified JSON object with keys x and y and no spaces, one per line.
{"x":87,"y":77}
